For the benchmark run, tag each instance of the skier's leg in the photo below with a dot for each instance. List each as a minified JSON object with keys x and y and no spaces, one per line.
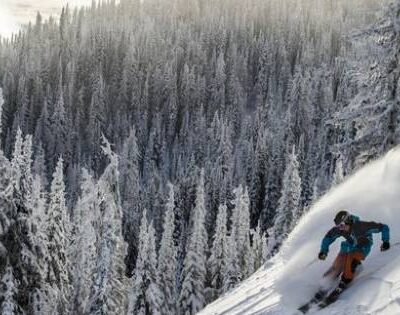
{"x":337,"y":267}
{"x":329,"y":276}
{"x":352,"y":261}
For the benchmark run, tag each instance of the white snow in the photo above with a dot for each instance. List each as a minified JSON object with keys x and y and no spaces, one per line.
{"x":289,"y":280}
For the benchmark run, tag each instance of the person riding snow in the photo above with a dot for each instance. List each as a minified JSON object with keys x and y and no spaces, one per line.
{"x":354,"y":249}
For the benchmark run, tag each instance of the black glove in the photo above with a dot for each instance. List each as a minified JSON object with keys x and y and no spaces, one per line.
{"x":385,"y":246}
{"x":322,"y":256}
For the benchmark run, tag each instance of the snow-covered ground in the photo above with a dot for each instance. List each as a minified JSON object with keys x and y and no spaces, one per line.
{"x":288,"y":280}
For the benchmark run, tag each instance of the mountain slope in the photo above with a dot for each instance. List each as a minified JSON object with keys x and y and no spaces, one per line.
{"x":288,"y":280}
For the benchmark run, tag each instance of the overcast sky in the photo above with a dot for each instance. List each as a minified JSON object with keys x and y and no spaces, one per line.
{"x":15,"y":12}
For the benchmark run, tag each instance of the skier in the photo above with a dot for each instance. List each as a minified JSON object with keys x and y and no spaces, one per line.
{"x":353,"y":250}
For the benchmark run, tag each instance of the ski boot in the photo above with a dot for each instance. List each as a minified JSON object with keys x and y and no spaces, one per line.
{"x":319,"y":296}
{"x":334,"y":295}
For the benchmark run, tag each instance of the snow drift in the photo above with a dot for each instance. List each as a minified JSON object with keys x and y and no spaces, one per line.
{"x":288,"y":280}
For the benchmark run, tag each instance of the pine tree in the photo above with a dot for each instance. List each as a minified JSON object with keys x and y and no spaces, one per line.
{"x":43,"y":137}
{"x":258,"y":176}
{"x":153,"y":294}
{"x":297,"y":118}
{"x":22,"y":235}
{"x":167,"y":258}
{"x":240,"y":230}
{"x":217,"y":261}
{"x":109,"y":288}
{"x":259,"y":245}
{"x":21,"y":164}
{"x":273,"y":187}
{"x":6,"y":195}
{"x":130,"y":195}
{"x":220,"y":172}
{"x":41,"y":295}
{"x":86,"y":218}
{"x":192,"y":299}
{"x":288,"y":208}
{"x":17,"y":161}
{"x":218,"y":85}
{"x":338,"y":175}
{"x":58,"y":231}
{"x":26,"y":171}
{"x":97,"y":119}
{"x":232,"y":273}
{"x":137,"y":302}
{"x":60,"y":124}
{"x":185,"y":201}
{"x":146,"y":295}
{"x":9,"y":305}
{"x":1,"y":116}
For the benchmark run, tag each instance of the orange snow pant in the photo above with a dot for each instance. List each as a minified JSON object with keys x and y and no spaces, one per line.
{"x":345,"y":264}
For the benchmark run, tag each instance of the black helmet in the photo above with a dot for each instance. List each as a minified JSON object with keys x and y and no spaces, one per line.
{"x":342,"y":216}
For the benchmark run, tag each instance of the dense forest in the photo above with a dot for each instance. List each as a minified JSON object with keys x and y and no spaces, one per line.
{"x":156,"y":153}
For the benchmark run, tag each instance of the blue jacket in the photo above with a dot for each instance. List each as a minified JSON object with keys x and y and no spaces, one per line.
{"x":359,"y":238}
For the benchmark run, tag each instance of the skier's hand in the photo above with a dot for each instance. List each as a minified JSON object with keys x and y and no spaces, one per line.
{"x":385,"y":246}
{"x":322,"y":256}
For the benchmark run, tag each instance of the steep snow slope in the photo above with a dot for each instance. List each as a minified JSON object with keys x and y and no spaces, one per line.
{"x":288,"y":280}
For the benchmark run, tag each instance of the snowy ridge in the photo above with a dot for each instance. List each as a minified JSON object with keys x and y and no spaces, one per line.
{"x":288,"y":280}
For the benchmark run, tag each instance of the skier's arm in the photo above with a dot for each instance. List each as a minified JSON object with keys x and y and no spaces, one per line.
{"x":374,"y":227}
{"x":328,"y":239}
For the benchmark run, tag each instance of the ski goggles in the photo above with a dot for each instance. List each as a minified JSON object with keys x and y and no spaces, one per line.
{"x":341,"y":225}
{"x":343,"y":220}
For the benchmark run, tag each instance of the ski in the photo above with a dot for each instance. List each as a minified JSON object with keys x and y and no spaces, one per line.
{"x":330,"y":298}
{"x":318,"y":297}
{"x":334,"y":294}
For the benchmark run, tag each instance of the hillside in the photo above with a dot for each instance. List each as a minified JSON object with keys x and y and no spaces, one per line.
{"x":285,"y":282}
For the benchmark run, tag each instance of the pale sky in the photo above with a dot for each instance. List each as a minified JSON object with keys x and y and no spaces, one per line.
{"x":13,"y":13}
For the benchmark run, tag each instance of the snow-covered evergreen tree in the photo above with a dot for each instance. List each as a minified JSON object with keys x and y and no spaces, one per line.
{"x":58,"y":233}
{"x":258,"y":173}
{"x":6,"y":193}
{"x":232,"y":273}
{"x":17,"y":161}
{"x":192,"y":299}
{"x":259,"y":246}
{"x":25,"y":247}
{"x":26,"y":184}
{"x":216,"y":263}
{"x":153,"y":294}
{"x":60,"y":124}
{"x":41,"y":295}
{"x":338,"y":175}
{"x":240,"y":230}
{"x":8,"y":294}
{"x":86,"y":218}
{"x":108,"y":292}
{"x":146,"y":297}
{"x":167,"y":258}
{"x":220,"y":168}
{"x":21,"y":164}
{"x":130,"y":195}
{"x":1,"y":115}
{"x":288,"y":209}
{"x":97,"y":118}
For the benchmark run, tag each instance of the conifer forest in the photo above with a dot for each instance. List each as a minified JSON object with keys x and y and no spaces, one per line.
{"x":156,"y":153}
